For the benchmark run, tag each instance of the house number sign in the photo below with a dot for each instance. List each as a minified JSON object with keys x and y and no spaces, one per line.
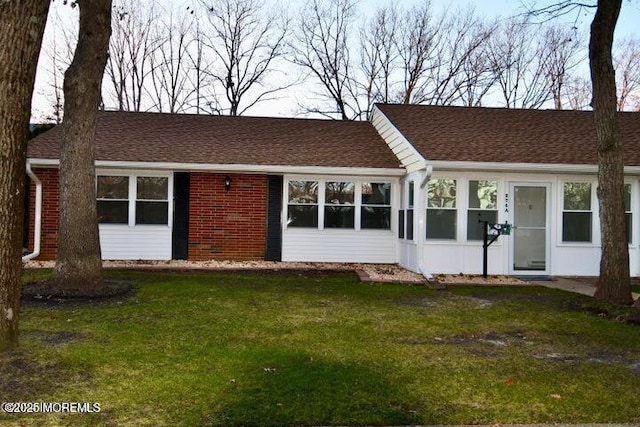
{"x":506,"y":203}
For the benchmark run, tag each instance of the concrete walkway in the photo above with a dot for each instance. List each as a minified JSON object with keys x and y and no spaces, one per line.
{"x":570,"y":285}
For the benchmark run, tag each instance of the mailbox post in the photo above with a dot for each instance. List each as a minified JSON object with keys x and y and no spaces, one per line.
{"x":500,"y":230}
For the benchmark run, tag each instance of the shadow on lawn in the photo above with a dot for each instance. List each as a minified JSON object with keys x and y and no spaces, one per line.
{"x":284,"y":388}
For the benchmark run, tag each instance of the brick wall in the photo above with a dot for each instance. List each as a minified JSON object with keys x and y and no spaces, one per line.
{"x":227,"y":225}
{"x":50,"y":212}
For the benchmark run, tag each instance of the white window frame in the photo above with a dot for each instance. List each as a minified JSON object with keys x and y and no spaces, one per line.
{"x":562,"y":210}
{"x":357,"y":205}
{"x":456,"y":209}
{"x":469,"y":209}
{"x":133,"y":199}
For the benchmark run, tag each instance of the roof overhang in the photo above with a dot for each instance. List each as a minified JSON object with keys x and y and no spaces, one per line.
{"x":231,"y":168}
{"x":443,"y":165}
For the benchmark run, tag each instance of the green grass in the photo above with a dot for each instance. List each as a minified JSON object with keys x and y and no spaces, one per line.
{"x":278,"y":349}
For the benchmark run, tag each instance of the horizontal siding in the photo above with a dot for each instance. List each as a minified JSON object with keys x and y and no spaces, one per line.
{"x":141,"y":242}
{"x":309,"y":245}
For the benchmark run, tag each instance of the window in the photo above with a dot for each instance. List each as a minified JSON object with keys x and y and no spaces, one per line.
{"x":483,"y":203}
{"x":375,"y":210}
{"x":303,"y":204}
{"x":401,"y":211}
{"x":339,"y":208}
{"x":627,"y":212}
{"x":152,"y":200}
{"x":113,"y":199}
{"x":133,"y":200}
{"x":410,"y":196}
{"x":576,"y":215}
{"x":441,"y":209}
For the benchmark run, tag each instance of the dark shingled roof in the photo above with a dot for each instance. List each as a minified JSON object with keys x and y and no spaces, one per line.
{"x":203,"y":139}
{"x":507,"y":135}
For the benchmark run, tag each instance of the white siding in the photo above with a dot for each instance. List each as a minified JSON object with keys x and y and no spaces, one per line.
{"x":461,"y":256}
{"x":406,"y":153}
{"x":143,"y":242}
{"x":311,"y":245}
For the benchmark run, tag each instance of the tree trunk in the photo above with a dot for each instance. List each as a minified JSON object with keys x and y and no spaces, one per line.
{"x":21,"y":28}
{"x":614,"y":282}
{"x":79,"y":265}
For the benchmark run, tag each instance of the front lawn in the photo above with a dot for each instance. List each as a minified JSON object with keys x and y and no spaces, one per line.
{"x":323,"y":349}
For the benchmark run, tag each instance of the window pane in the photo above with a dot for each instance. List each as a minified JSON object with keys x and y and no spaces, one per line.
{"x":409,"y":224}
{"x":303,"y":216}
{"x":376,"y":193}
{"x":113,"y":187}
{"x":442,"y":193}
{"x":628,"y":219}
{"x":113,"y":212}
{"x":410,"y":194}
{"x":475,"y":228}
{"x":577,"y":196}
{"x":339,"y":216}
{"x":401,"y":224}
{"x":303,"y":192}
{"x":441,"y":224}
{"x":340,"y":193}
{"x":483,"y":194}
{"x":152,"y":188}
{"x":627,"y":197}
{"x":379,"y":218}
{"x":576,"y":226}
{"x":152,"y":213}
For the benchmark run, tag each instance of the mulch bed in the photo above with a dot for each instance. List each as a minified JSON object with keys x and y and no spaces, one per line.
{"x":42,"y":293}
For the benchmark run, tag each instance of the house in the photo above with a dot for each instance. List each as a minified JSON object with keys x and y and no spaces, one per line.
{"x":409,"y":187}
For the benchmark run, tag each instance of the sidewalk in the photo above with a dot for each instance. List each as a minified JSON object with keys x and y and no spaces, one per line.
{"x":570,"y":285}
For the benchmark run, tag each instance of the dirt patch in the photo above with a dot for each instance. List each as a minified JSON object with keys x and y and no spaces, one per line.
{"x":52,"y":337}
{"x":41,"y":293}
{"x":27,"y":379}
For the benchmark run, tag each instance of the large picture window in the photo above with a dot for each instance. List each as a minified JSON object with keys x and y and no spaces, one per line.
{"x":576,"y":214}
{"x":483,"y":203}
{"x":303,"y":204}
{"x":339,"y":209}
{"x":113,"y":199}
{"x":376,"y":205}
{"x":441,"y":209}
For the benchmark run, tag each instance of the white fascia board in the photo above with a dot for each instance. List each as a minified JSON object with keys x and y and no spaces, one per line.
{"x":255,"y":169}
{"x":416,"y":157}
{"x":440,"y":165}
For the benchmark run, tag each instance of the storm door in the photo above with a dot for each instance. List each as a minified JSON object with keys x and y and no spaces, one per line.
{"x":530,"y":216}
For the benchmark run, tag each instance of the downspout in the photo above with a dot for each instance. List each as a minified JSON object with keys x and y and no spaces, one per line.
{"x":428,"y":171}
{"x":38,"y":218}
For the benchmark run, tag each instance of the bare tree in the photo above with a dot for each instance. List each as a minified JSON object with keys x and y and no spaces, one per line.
{"x":418,"y":47}
{"x":627,"y":65}
{"x":560,"y":53}
{"x":458,"y":66}
{"x":131,"y":48}
{"x":577,"y":93}
{"x":246,"y":40}
{"x":322,"y":48}
{"x":476,"y":75}
{"x":21,"y":30}
{"x":514,"y":56}
{"x":171,"y":90}
{"x":78,"y":266}
{"x":58,"y":43}
{"x":379,"y":55}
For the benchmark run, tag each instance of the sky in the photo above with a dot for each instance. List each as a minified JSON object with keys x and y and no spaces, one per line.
{"x":627,"y":27}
